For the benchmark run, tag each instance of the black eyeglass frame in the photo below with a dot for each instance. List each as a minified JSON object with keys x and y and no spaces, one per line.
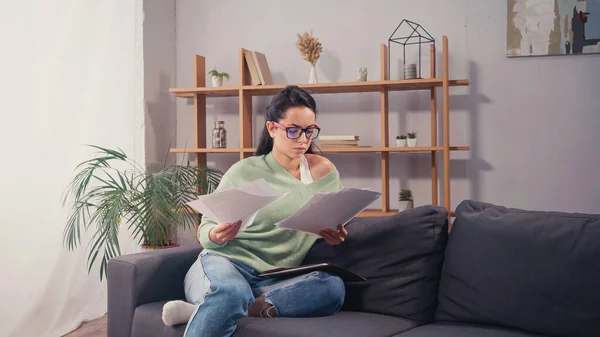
{"x":302,"y":130}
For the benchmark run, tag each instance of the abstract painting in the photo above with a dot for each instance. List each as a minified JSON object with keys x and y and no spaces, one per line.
{"x":552,"y":27}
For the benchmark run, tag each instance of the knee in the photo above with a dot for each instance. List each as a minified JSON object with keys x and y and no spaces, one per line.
{"x":235,"y":293}
{"x":336,"y":291}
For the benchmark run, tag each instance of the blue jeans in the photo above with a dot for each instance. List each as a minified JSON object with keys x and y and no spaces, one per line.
{"x":224,"y":289}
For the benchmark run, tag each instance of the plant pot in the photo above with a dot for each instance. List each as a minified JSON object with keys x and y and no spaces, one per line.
{"x":312,"y":78}
{"x":401,"y":142}
{"x":217,"y":81}
{"x":405,"y":204}
{"x":412,"y":142}
{"x":145,"y":248}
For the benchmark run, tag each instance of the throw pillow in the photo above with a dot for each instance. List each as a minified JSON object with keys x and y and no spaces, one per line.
{"x":401,"y":257}
{"x":537,"y":271}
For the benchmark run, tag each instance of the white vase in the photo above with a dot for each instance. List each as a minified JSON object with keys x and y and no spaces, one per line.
{"x":313,"y":75}
{"x":401,"y":142}
{"x":412,"y":142}
{"x":405,"y":204}
{"x":217,"y":81}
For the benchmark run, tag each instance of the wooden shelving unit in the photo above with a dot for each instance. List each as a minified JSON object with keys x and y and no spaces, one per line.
{"x":245,"y":91}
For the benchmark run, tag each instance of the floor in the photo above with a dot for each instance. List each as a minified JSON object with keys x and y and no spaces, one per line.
{"x":95,"y":328}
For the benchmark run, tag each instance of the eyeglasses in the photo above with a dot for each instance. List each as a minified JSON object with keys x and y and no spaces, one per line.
{"x":295,"y":132}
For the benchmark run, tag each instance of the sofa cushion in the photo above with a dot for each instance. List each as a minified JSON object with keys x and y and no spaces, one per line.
{"x":347,"y":324}
{"x":536,"y":271}
{"x":401,"y":257}
{"x":448,"y":329}
{"x":147,"y":322}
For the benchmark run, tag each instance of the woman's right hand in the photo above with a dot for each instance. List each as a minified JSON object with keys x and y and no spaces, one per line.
{"x":221,"y":234}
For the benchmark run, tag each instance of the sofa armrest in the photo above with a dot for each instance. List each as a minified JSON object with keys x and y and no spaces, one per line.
{"x":136,"y":279}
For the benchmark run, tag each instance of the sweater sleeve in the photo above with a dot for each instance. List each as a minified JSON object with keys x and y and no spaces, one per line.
{"x":207,"y":224}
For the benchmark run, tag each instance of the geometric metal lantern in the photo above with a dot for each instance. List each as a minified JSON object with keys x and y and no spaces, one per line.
{"x":413,"y":33}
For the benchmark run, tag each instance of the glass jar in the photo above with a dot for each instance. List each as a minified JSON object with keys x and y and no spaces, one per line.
{"x":219,"y":135}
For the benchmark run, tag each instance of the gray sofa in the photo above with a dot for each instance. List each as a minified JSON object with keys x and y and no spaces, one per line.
{"x":500,"y":273}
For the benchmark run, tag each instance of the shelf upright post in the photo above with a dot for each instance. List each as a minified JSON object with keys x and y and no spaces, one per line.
{"x":245,"y":104}
{"x":434,"y":132}
{"x":200,"y":109}
{"x":385,"y":155}
{"x":446,"y":122}
{"x":199,"y":119}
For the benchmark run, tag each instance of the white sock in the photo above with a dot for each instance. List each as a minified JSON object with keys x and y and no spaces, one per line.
{"x":177,"y":312}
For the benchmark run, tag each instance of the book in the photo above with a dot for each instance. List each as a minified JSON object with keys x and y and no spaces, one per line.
{"x":254,"y":76}
{"x":339,"y":142}
{"x":263,"y":68}
{"x":339,"y":137}
{"x":344,"y":274}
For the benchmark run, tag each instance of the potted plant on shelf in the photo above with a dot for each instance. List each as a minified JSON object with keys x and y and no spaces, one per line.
{"x":401,"y":140}
{"x":217,"y":77}
{"x":405,"y":199}
{"x":112,"y":190}
{"x":412,"y":139}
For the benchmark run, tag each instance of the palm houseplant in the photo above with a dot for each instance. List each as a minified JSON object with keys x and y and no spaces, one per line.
{"x":111,"y":190}
{"x":405,"y":198}
{"x":217,"y":77}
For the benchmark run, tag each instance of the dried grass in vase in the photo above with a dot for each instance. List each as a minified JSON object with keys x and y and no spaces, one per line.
{"x":310,"y":48}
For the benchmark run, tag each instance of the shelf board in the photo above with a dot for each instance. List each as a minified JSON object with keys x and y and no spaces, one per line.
{"x":369,"y":212}
{"x":460,"y":148}
{"x":196,"y":150}
{"x":353,"y":87}
{"x":380,"y":149}
{"x":376,"y":212}
{"x":363,"y":149}
{"x":207,"y":91}
{"x":321,"y":88}
{"x":379,"y":212}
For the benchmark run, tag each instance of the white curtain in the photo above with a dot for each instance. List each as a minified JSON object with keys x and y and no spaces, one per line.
{"x":71,"y":74}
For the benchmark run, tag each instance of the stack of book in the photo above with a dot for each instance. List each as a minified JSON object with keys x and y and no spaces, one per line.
{"x":339,"y":141}
{"x":260,"y":73}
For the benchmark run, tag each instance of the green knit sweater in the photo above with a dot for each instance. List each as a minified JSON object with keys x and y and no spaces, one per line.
{"x":263,"y":245}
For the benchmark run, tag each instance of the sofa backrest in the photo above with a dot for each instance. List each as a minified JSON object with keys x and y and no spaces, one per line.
{"x":530,"y":270}
{"x":401,"y":257}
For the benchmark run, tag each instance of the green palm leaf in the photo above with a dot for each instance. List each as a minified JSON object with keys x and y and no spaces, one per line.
{"x":152,"y":205}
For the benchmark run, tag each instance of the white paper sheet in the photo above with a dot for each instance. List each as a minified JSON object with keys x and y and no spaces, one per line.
{"x":232,"y":204}
{"x":327,"y":210}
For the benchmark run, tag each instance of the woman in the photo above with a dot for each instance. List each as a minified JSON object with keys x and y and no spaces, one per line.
{"x":223,"y":284}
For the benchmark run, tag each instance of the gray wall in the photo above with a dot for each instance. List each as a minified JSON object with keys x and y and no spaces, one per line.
{"x":533,"y":121}
{"x":520,"y":116}
{"x":159,"y":75}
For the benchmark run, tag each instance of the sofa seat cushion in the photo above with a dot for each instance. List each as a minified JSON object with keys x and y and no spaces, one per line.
{"x":147,"y":322}
{"x":345,"y":323}
{"x":534,"y":271}
{"x":448,"y":329}
{"x":401,"y":257}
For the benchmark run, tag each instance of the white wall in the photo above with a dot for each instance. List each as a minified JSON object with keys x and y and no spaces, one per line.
{"x":351,"y":33}
{"x":159,"y":75}
{"x":531,"y":122}
{"x":72,"y":74}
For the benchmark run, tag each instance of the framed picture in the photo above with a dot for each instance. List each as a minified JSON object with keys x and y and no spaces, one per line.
{"x":552,"y":27}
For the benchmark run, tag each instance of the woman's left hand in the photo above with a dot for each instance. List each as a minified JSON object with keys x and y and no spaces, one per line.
{"x":334,"y":237}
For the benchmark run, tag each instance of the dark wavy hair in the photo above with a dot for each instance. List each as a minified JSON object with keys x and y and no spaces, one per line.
{"x":290,"y":96}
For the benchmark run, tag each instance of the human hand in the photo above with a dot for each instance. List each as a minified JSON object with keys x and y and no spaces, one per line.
{"x":334,"y":237}
{"x":221,"y":234}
